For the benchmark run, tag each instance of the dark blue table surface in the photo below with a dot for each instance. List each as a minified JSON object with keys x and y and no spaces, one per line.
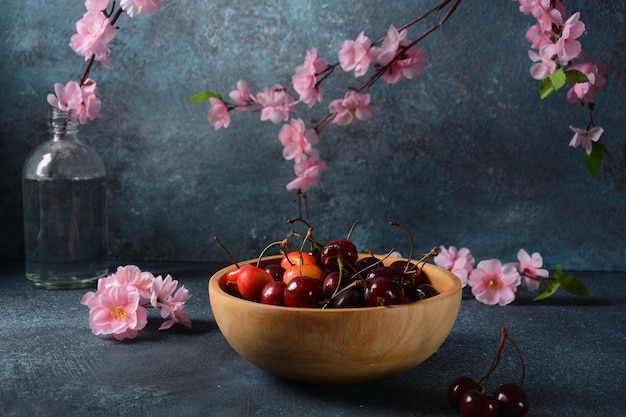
{"x":52,"y":365}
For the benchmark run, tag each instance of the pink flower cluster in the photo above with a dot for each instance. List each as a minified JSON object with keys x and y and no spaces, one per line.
{"x":94,"y":31}
{"x":554,"y":45}
{"x":119,"y":306}
{"x":72,"y":96}
{"x":493,"y":282}
{"x":393,"y":61}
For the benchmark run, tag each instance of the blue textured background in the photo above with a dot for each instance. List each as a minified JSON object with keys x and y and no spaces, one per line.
{"x":465,"y":155}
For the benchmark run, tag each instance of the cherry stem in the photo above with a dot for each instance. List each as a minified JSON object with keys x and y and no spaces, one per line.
{"x":298,"y":219}
{"x":408,"y":232}
{"x":521,"y":358}
{"x":280,"y":242}
{"x":496,"y":359}
{"x":230,"y":255}
{"x":283,"y":249}
{"x":494,"y":362}
{"x":352,"y":229}
{"x":309,"y":235}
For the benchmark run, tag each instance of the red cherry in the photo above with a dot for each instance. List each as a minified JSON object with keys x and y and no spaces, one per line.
{"x":251,"y":281}
{"x":460,"y":386}
{"x":276,"y":271}
{"x":383,"y":291}
{"x":274,"y":293}
{"x":512,"y":400}
{"x":338,"y":249}
{"x":306,"y":270}
{"x":303,"y":292}
{"x":233,"y":274}
{"x":297,"y":258}
{"x":476,"y":404}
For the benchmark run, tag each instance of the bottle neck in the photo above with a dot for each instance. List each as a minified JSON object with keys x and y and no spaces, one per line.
{"x":62,"y":123}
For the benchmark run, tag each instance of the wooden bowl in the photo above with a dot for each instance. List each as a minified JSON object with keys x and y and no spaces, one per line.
{"x":337,"y":346}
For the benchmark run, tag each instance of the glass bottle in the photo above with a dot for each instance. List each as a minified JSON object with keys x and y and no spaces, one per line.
{"x":65,"y":215}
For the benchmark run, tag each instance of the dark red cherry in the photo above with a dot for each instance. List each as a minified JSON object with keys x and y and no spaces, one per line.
{"x":425,"y":291}
{"x":384,"y":272}
{"x":334,"y":281}
{"x":336,"y":249}
{"x":512,"y":400}
{"x":383,"y":291}
{"x":349,"y":298}
{"x":420,"y":277}
{"x":476,"y":404}
{"x":303,"y":292}
{"x":274,"y":293}
{"x":404,"y":266}
{"x":460,"y":386}
{"x":276,"y":271}
{"x":367,"y":263}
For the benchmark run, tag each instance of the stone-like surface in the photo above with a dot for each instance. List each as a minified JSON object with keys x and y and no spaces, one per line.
{"x":53,"y":366}
{"x":465,"y":155}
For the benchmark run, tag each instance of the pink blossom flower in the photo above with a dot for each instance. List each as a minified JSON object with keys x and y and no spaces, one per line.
{"x":542,"y":10}
{"x":116,"y":310}
{"x":96,"y":5}
{"x":218,"y":114}
{"x":544,"y":64}
{"x":585,"y":138}
{"x":308,"y":173}
{"x":385,"y":54}
{"x":567,"y":47}
{"x":305,"y":79}
{"x":129,"y":276}
{"x":90,"y":107}
{"x":355,"y":55}
{"x":459,"y":262}
{"x":352,"y":107}
{"x":241,"y":96}
{"x":171,"y":304}
{"x":296,"y":140}
{"x":135,"y":7}
{"x":494,"y":283}
{"x":529,"y":267}
{"x":118,"y":306}
{"x":94,"y":32}
{"x":67,"y":97}
{"x":276,"y":103}
{"x":409,"y":66}
{"x":538,"y":37}
{"x":584,"y":92}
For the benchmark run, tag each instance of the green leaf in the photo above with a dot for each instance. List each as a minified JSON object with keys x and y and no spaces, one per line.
{"x":594,"y":160}
{"x":575,"y":76}
{"x":550,"y":288}
{"x":552,"y":83}
{"x":546,"y":88}
{"x":573,"y":285}
{"x":203,"y":97}
{"x":558,"y":78}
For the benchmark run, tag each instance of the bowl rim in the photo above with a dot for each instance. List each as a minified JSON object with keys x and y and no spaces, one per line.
{"x":215,"y":288}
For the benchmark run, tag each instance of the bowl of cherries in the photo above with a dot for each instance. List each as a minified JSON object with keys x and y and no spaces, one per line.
{"x":333,"y":315}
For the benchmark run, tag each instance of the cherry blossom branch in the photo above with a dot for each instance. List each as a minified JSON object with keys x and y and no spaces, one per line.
{"x":94,"y":31}
{"x":91,"y":60}
{"x":319,"y":126}
{"x":379,"y":73}
{"x":398,"y":58}
{"x":554,"y":50}
{"x":495,"y":282}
